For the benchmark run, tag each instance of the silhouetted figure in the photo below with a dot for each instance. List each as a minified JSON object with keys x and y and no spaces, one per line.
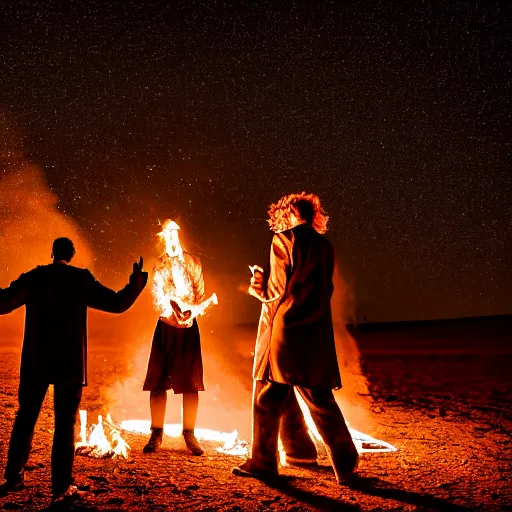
{"x":295,"y":343}
{"x":56,"y":298}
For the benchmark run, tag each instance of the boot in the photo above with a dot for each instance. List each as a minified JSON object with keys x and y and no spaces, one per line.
{"x":155,"y":441}
{"x":192,"y":443}
{"x":345,"y":466}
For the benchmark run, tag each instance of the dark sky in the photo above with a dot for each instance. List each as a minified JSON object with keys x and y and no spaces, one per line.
{"x":396,"y":113}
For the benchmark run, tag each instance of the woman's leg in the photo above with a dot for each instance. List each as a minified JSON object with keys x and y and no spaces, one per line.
{"x":189,"y":415}
{"x":157,"y":404}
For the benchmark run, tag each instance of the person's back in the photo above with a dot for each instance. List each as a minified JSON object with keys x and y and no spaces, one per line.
{"x":307,"y":298}
{"x":295,"y":342}
{"x":57,"y":296}
{"x":301,"y":350}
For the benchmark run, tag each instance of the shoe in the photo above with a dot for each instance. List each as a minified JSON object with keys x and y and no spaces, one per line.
{"x":155,"y":441}
{"x":65,"y":496}
{"x":12,"y":485}
{"x":192,"y":442}
{"x":300,"y":463}
{"x":348,"y":471}
{"x":248,"y":469}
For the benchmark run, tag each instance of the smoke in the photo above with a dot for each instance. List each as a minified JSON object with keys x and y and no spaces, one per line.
{"x":354,"y":398}
{"x":30,"y":220}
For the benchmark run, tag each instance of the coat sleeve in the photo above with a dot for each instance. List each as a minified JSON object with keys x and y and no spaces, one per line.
{"x":103,"y":298}
{"x":15,"y":296}
{"x":280,"y":267}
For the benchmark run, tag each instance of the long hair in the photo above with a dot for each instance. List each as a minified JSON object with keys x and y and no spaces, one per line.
{"x":306,"y":205}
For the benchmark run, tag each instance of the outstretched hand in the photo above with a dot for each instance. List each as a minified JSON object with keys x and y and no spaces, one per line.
{"x":139,"y":276}
{"x":137,"y":267}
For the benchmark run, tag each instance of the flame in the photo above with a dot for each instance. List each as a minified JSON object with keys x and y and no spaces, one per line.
{"x":178,"y":285}
{"x":364,"y":443}
{"x":98,"y":446}
{"x":231,"y":442}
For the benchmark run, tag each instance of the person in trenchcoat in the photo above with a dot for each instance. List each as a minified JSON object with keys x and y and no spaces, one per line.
{"x":56,"y":297}
{"x":295,"y":345}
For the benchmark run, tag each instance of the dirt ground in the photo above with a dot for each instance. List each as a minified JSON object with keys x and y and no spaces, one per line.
{"x":448,"y":414}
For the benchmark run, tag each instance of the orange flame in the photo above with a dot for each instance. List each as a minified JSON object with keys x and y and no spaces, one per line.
{"x":98,"y":446}
{"x":364,"y":443}
{"x":232,"y":444}
{"x":178,"y":285}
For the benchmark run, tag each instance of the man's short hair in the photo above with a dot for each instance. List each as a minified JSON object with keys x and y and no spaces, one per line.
{"x":63,"y":249}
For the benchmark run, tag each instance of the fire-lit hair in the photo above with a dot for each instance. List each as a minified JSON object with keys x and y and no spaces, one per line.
{"x":306,"y":205}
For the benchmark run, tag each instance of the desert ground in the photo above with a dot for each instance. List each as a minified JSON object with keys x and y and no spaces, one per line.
{"x":440,"y":393}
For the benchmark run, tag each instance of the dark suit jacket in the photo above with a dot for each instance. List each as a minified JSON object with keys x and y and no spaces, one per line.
{"x":295,"y":343}
{"x":56,"y":297}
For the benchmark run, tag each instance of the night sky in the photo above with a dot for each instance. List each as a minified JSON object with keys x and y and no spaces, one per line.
{"x":206,"y":112}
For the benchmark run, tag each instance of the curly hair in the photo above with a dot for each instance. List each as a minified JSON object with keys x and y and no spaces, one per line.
{"x":306,"y":205}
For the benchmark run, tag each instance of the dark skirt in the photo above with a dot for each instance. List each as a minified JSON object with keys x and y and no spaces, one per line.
{"x":175,"y":361}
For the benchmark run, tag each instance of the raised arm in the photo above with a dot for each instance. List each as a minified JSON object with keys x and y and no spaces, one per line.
{"x":13,"y":297}
{"x":103,"y":298}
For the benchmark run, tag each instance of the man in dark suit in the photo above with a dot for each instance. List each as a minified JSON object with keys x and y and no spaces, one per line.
{"x":295,"y":345}
{"x":56,"y":298}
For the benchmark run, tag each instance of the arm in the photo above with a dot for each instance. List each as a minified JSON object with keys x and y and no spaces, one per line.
{"x":13,"y":297}
{"x":198,"y":278}
{"x":280,"y":266}
{"x":103,"y":298}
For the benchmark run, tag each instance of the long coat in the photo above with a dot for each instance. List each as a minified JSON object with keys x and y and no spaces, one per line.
{"x":56,"y":297}
{"x":295,"y":343}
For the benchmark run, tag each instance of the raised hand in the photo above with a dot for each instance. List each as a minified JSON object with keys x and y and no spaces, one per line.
{"x":138,"y":275}
{"x":137,"y":267}
{"x":258,"y":277}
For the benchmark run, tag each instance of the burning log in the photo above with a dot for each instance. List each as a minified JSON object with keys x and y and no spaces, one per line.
{"x":98,"y":445}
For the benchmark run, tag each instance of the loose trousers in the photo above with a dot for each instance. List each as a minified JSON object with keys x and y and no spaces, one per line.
{"x":268,"y":401}
{"x":66,"y":403}
{"x":294,"y":432}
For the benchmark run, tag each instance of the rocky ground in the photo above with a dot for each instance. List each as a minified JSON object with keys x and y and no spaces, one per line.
{"x":449,"y":416}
